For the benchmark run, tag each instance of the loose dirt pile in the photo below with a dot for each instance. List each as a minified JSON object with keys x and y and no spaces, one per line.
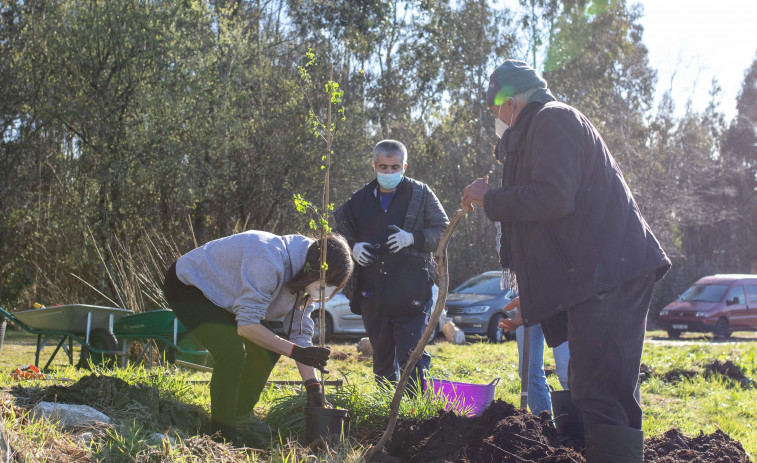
{"x":730,"y":371}
{"x":674,"y":447}
{"x":114,"y":397}
{"x":507,"y":434}
{"x":502,"y":434}
{"x":726,"y":369}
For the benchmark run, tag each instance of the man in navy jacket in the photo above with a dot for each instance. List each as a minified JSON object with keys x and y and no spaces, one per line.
{"x":575,"y":243}
{"x":393,"y":222}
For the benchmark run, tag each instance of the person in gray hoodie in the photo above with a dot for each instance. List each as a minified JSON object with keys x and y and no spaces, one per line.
{"x":225,"y":292}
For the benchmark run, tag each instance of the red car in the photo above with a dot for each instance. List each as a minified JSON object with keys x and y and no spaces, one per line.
{"x":720,"y":304}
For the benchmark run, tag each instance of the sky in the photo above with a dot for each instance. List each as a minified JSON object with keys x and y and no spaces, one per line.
{"x":692,"y":41}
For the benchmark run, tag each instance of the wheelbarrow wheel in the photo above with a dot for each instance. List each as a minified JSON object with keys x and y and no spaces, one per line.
{"x":100,"y":339}
{"x":188,"y":342}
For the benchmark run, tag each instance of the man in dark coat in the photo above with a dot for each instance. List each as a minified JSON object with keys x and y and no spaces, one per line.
{"x":393,"y":224}
{"x":575,"y":243}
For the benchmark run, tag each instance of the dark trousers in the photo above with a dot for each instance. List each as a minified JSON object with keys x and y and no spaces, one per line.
{"x":393,"y":339}
{"x":606,"y":337}
{"x":241,"y":367}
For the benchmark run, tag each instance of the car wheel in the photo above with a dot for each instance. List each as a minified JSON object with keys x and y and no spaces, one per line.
{"x":329,"y":327}
{"x":721,"y":328}
{"x":674,"y":334}
{"x":494,"y":332}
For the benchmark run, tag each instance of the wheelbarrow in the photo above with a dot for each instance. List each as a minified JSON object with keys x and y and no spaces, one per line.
{"x":98,"y":330}
{"x":161,"y":326}
{"x":91,"y":326}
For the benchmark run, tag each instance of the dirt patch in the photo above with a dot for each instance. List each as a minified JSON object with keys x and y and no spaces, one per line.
{"x":730,"y":371}
{"x":726,"y":369}
{"x":339,"y":355}
{"x":645,"y":373}
{"x":674,"y":447}
{"x":114,"y":396}
{"x":502,"y":434}
{"x":507,"y":434}
{"x":678,"y":374}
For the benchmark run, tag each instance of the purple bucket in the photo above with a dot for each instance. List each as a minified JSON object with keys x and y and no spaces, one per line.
{"x":465,"y":398}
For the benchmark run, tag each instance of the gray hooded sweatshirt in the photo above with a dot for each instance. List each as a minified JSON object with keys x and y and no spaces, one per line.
{"x":245,"y":274}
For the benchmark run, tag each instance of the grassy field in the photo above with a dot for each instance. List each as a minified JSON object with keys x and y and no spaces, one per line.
{"x":699,"y":402}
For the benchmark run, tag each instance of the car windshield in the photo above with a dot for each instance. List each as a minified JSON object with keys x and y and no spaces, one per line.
{"x":481,"y":284}
{"x":704,"y":293}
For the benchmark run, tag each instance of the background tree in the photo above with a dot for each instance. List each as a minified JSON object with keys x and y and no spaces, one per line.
{"x":186,"y":120}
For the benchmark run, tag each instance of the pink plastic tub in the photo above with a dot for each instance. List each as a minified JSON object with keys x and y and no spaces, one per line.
{"x":465,"y":398}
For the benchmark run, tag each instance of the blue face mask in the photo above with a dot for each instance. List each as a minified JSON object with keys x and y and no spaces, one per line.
{"x":389,"y":181}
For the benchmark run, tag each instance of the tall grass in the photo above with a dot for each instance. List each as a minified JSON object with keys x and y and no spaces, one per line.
{"x":136,"y":272}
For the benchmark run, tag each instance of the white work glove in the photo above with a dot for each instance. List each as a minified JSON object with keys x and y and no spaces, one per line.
{"x":399,"y":240}
{"x":361,"y":254}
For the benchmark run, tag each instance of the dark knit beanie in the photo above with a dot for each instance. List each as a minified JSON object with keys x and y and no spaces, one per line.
{"x":511,"y":78}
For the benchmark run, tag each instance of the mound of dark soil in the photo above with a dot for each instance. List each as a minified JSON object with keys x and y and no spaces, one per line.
{"x":678,"y":374}
{"x":726,"y":369}
{"x":502,"y":434}
{"x":729,"y":370}
{"x":507,"y":434}
{"x":114,"y":396}
{"x":674,"y":447}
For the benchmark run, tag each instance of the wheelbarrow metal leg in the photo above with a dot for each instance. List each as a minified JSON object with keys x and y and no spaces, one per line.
{"x":39,"y":349}
{"x":89,"y":326}
{"x":149,"y":352}
{"x":142,"y":354}
{"x":55,"y":352}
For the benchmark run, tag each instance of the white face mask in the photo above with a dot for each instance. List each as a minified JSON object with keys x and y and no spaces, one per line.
{"x":389,"y":181}
{"x":499,"y":125}
{"x":314,"y":289}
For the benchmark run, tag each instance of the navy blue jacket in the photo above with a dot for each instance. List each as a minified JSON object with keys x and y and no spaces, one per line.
{"x":360,"y":218}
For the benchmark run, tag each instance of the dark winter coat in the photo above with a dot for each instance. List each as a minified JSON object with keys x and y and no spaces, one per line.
{"x":361,"y":219}
{"x":571,"y":228}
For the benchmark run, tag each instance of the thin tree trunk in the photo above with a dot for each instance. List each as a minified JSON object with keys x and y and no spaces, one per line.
{"x":440,"y":256}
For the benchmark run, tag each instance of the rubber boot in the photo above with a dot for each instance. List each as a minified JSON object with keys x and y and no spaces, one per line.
{"x":614,"y":444}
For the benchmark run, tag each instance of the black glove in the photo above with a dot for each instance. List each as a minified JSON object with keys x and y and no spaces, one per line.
{"x":311,"y":356}
{"x":315,"y":394}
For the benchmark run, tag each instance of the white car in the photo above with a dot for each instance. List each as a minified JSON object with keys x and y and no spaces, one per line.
{"x":340,"y":321}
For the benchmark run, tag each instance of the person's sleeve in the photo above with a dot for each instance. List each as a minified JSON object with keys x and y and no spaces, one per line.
{"x":261,"y":276}
{"x":435,"y":221}
{"x":557,"y":158}
{"x":302,"y":333}
{"x":345,"y":222}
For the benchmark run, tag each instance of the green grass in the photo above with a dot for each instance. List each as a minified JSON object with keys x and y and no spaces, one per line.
{"x":700,"y":403}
